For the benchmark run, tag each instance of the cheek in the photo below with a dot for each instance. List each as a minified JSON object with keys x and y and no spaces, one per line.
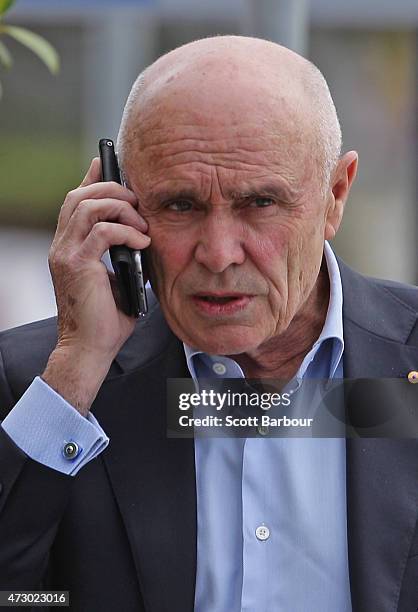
{"x":305,"y":256}
{"x":269,"y":249}
{"x":169,"y":254}
{"x":287,"y":255}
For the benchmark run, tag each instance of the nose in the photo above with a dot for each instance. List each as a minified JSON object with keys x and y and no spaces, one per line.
{"x":220,"y":244}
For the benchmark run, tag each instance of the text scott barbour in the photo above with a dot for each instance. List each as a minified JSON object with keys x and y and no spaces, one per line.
{"x":252,"y":421}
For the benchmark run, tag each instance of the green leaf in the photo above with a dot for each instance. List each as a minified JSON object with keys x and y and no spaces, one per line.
{"x":41,"y":47}
{"x":5,"y":57}
{"x":1,"y":91}
{"x":5,"y":5}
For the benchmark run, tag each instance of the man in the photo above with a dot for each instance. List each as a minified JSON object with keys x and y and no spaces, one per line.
{"x":231,"y":149}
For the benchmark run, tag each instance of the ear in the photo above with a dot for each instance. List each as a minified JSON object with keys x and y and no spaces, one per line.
{"x":342,"y":179}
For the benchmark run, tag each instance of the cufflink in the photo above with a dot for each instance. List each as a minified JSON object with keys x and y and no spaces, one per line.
{"x":413,"y":377}
{"x":70,"y":450}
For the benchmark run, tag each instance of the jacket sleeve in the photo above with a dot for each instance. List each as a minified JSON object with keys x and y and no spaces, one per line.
{"x":33,"y":498}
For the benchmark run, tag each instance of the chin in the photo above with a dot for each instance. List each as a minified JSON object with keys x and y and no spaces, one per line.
{"x":225,"y":342}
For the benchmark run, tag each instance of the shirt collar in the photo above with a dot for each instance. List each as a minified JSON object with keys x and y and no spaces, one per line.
{"x":332,"y":330}
{"x":333,"y":326}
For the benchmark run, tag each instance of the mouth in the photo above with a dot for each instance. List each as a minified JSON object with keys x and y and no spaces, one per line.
{"x":221,"y":304}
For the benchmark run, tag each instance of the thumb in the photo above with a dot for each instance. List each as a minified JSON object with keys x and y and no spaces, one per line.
{"x":94,"y":173}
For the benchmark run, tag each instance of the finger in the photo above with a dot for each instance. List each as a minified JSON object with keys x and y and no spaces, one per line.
{"x":93,"y":176}
{"x":94,"y":173}
{"x":105,"y":235}
{"x":90,"y":212}
{"x":95,"y":191}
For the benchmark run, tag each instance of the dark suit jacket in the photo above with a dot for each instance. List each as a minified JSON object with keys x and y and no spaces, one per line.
{"x":121,"y":535}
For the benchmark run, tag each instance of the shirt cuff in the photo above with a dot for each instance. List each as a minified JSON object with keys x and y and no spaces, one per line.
{"x":51,"y":431}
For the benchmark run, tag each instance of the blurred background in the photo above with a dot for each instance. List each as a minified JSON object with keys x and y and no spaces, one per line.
{"x":50,"y":125}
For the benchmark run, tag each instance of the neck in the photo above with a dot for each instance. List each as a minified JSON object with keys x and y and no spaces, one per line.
{"x":281,"y":356}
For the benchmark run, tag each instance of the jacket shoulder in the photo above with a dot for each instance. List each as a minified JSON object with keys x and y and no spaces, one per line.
{"x":385,"y":308}
{"x":25,"y":350}
{"x":406,"y":300}
{"x":24,"y":353}
{"x":408,"y":294}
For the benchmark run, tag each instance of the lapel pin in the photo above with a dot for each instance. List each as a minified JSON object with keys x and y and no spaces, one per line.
{"x":413,"y":377}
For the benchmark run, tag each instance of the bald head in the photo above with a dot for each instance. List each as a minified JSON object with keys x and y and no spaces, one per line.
{"x":228,"y":78}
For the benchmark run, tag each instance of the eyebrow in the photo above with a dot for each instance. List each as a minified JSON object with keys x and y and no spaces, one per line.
{"x":285,"y":192}
{"x":174,"y":194}
{"x":273,"y":189}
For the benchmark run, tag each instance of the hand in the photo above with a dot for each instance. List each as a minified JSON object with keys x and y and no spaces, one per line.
{"x":91,"y":326}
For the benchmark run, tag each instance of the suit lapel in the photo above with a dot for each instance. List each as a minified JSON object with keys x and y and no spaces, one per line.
{"x":382,"y":491}
{"x":157,"y":497}
{"x":153,"y":479}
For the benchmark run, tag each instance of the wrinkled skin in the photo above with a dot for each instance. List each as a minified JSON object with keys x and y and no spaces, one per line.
{"x":224,"y":168}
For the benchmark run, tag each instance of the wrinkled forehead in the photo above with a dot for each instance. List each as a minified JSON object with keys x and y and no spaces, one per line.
{"x":224,"y":114}
{"x":231,"y":103}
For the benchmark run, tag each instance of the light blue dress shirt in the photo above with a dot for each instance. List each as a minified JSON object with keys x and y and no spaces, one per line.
{"x":289,"y":492}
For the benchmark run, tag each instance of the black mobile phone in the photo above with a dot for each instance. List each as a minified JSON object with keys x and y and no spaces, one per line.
{"x":127,"y":263}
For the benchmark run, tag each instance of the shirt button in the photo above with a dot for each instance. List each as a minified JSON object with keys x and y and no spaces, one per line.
{"x":219,"y":368}
{"x":263,"y":430}
{"x":262,"y":533}
{"x":70,"y":450}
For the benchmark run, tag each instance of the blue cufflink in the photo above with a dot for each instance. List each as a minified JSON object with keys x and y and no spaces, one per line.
{"x":71,"y":450}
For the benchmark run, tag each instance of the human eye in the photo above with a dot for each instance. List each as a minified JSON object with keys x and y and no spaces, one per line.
{"x":179,"y":206}
{"x":261,"y":202}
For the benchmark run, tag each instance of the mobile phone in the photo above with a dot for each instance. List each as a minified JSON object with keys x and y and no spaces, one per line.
{"x":127,"y":263}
